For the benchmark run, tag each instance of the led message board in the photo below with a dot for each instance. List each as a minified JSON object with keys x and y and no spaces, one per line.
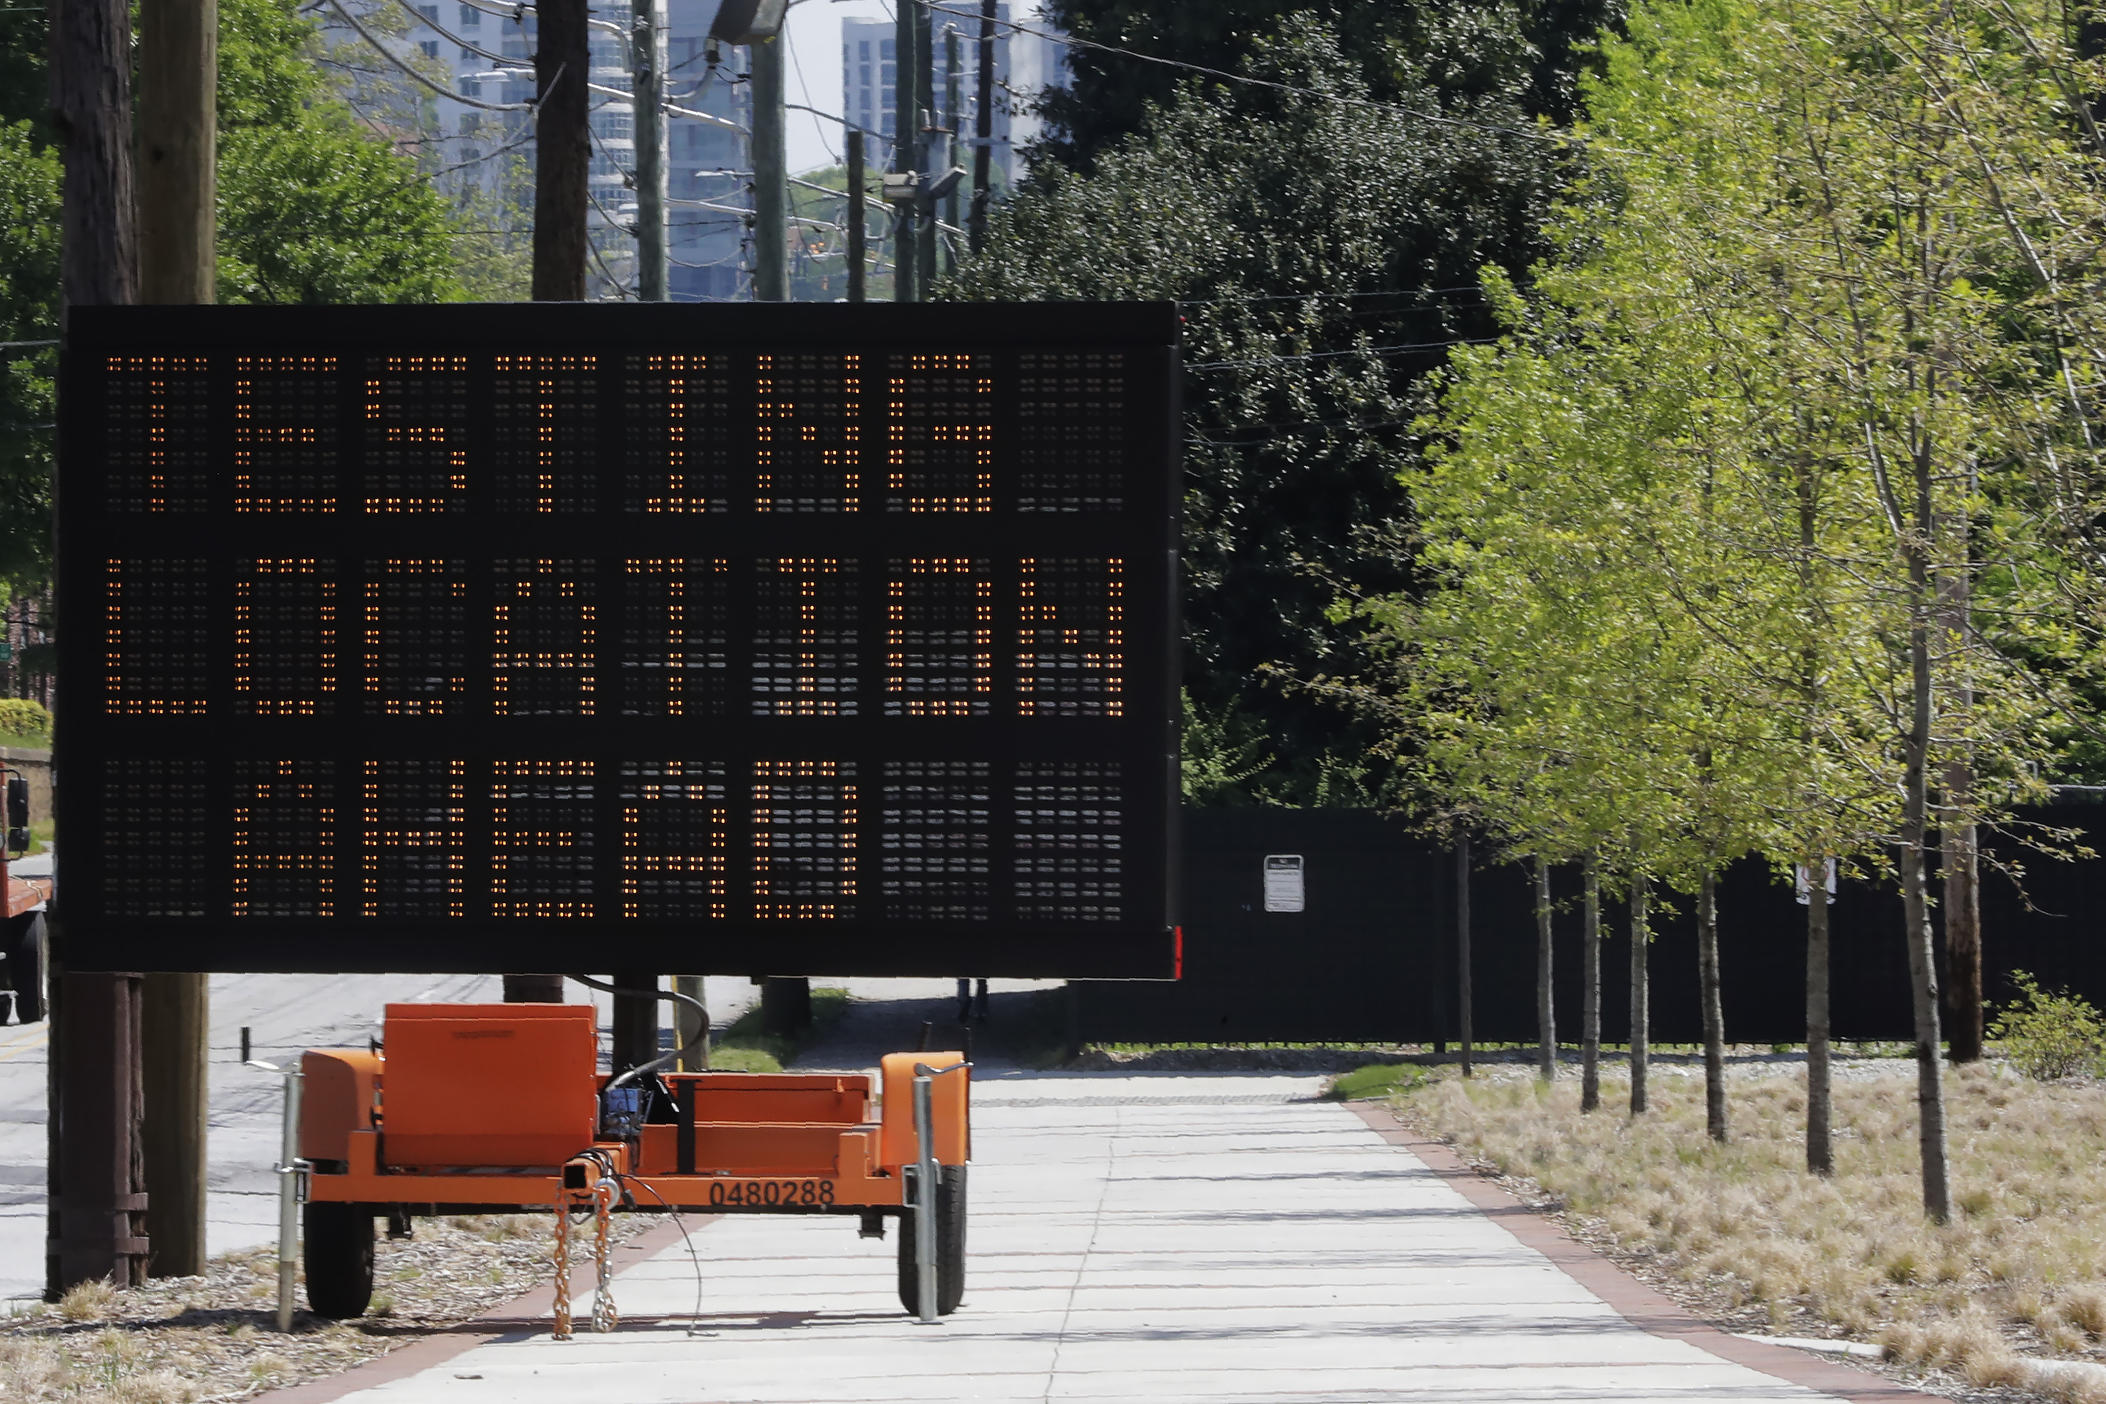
{"x":718,"y":639}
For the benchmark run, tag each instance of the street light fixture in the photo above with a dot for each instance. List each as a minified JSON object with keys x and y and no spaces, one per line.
{"x":748,"y":21}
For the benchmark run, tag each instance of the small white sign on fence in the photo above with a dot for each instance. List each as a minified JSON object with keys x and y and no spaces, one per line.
{"x":1283,"y":882}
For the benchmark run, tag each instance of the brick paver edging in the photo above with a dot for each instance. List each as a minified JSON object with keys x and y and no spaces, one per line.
{"x":1637,"y":1303}
{"x":522,"y":1316}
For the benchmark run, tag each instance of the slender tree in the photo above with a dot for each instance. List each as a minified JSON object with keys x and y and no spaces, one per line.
{"x":1590,"y":984}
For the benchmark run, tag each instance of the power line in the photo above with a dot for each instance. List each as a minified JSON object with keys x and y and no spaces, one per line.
{"x":428,"y":22}
{"x":386,"y":53}
{"x":1288,"y":425}
{"x":1321,"y":292}
{"x":1294,"y":88}
{"x":1355,"y":351}
{"x":806,"y":88}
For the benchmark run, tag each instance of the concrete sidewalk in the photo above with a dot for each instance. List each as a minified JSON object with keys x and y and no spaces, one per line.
{"x":1158,"y":1238}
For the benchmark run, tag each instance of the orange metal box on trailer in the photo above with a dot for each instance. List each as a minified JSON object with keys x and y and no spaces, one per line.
{"x":463,"y":1088}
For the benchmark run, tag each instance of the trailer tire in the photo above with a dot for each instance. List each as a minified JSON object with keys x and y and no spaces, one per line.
{"x":950,"y":1247}
{"x":28,"y":965}
{"x":339,"y":1252}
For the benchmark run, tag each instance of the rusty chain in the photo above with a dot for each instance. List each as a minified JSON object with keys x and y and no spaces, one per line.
{"x":605,"y":1315}
{"x":562,"y":1327}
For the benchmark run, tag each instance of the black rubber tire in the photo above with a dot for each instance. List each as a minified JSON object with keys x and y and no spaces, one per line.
{"x":28,"y":965}
{"x":950,"y":1247}
{"x":339,"y":1243}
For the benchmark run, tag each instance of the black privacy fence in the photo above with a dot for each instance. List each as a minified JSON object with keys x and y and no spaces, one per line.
{"x":1371,"y":954}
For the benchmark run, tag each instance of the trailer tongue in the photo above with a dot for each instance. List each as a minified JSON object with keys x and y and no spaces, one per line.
{"x":485,"y":1108}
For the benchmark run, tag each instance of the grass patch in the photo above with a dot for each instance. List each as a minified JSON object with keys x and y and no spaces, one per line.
{"x":1377,"y":1080}
{"x":2014,"y":1287}
{"x":745,"y":1047}
{"x":25,"y":741}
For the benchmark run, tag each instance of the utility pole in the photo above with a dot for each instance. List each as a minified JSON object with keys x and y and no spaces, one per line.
{"x":562,"y":162}
{"x":771,"y":185}
{"x":854,"y":142}
{"x":906,"y":121}
{"x":178,"y":123}
{"x":983,"y":127}
{"x":95,"y":1187}
{"x":924,"y":140}
{"x":950,"y":125}
{"x":562,"y":155}
{"x":647,"y":106}
{"x":635,"y":1021}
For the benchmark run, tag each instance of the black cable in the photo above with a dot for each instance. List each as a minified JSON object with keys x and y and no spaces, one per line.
{"x":693,"y":1256}
{"x":663,"y":1060}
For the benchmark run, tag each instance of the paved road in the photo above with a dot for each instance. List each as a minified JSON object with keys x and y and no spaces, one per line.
{"x":1133,"y":1238}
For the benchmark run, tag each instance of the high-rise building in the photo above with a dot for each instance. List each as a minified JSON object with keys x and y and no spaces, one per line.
{"x":484,"y":50}
{"x":1025,"y":62}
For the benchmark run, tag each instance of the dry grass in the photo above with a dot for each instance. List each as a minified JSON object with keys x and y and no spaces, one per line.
{"x":2012,"y":1292}
{"x":212,"y":1339}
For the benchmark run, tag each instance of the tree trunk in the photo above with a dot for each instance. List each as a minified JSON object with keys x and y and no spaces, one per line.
{"x":1641,"y":993}
{"x":1923,"y":977}
{"x":91,"y":115}
{"x":1963,"y":925}
{"x":1714,"y":1011}
{"x":1915,"y":824}
{"x":1957,"y":837}
{"x":1546,"y":1013}
{"x":1820,"y":1153}
{"x":1590,"y":992}
{"x":95,"y":1182}
{"x":1463,"y":994}
{"x":562,"y":151}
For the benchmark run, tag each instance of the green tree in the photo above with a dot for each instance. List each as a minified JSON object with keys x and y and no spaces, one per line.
{"x":1326,"y":253}
{"x":29,"y":293}
{"x":314,"y":207}
{"x":1802,"y":242}
{"x":1475,"y":50}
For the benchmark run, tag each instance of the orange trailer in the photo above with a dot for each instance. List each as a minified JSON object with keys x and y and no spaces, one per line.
{"x":472,"y":1108}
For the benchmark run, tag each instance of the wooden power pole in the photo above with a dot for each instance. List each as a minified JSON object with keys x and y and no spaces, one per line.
{"x":771,"y":187}
{"x":95,"y":1185}
{"x":562,"y":164}
{"x":853,"y":214}
{"x":924,"y":143}
{"x":562,"y":150}
{"x":906,"y":127}
{"x":983,"y":126}
{"x":178,"y":82}
{"x":647,"y":106}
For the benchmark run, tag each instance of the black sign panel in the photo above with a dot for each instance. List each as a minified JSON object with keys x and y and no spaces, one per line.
{"x":753,"y":639}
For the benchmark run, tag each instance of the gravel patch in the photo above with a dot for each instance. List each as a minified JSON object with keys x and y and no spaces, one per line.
{"x":213,"y":1339}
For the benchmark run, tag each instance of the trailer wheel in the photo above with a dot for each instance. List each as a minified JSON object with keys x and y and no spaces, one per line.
{"x":28,"y":963}
{"x":339,"y":1258}
{"x":950,"y":1246}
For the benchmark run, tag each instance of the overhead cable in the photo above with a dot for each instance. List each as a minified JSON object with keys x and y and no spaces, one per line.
{"x":1226,"y":76}
{"x":444,"y":92}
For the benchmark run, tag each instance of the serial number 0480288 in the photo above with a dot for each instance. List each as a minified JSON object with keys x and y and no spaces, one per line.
{"x":771,"y":1193}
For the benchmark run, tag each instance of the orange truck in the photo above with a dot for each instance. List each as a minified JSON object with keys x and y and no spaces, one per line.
{"x":22,"y":939}
{"x":473,"y":1108}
